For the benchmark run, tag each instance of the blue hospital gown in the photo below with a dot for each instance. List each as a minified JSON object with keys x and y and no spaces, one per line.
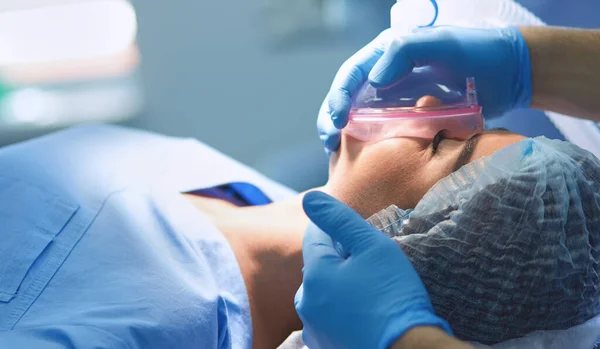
{"x":99,"y":249}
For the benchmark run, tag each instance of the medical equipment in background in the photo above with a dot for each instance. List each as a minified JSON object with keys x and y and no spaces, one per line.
{"x":421,"y":105}
{"x":290,"y":25}
{"x":424,"y":102}
{"x":409,"y":14}
{"x":67,"y":62}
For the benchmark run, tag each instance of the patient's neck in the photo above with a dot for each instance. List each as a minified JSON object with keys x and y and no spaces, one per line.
{"x":267,"y":241}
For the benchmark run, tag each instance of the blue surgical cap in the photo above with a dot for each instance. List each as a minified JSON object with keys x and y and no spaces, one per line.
{"x":509,"y":243}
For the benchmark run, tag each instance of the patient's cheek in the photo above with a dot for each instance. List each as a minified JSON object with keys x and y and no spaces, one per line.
{"x":370,"y":177}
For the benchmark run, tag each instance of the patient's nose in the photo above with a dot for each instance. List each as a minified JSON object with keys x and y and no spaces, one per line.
{"x":428,"y":102}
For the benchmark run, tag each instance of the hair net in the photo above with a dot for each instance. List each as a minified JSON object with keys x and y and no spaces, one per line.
{"x":509,"y":244}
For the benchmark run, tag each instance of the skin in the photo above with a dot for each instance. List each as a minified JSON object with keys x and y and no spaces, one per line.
{"x":267,"y":240}
{"x":565,"y":70}
{"x":426,"y":337}
{"x":370,"y":177}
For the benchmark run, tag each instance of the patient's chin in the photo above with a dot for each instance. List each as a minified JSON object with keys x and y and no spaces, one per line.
{"x":352,"y":145}
{"x":345,"y":163}
{"x":334,"y":158}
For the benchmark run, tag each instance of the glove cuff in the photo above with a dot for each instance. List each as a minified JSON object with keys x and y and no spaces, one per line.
{"x":399,"y":325}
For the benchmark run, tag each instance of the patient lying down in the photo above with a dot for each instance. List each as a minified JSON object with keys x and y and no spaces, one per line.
{"x":506,"y":245}
{"x":503,"y":231}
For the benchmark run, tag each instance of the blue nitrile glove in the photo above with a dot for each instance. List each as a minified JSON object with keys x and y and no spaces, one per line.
{"x":367,"y":299}
{"x":497,"y":58}
{"x":333,"y":115}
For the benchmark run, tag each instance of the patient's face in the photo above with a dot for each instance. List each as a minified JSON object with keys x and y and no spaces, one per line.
{"x":371,"y":176}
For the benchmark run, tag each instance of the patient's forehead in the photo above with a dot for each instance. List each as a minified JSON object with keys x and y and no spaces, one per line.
{"x":494,"y":140}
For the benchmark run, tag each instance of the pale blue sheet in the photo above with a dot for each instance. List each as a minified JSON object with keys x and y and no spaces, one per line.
{"x":100,"y":250}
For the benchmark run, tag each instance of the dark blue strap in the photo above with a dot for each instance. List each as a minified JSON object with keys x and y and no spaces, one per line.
{"x":251,"y":194}
{"x":238,"y":193}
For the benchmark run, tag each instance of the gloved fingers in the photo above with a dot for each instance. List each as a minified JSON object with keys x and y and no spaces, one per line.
{"x":316,"y":247}
{"x":340,"y":222}
{"x":414,"y":50}
{"x":351,"y":76}
{"x":339,"y":104}
{"x":393,"y":65}
{"x":328,"y":133}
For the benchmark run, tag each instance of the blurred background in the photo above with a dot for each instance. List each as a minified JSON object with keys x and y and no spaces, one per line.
{"x":246,"y":77}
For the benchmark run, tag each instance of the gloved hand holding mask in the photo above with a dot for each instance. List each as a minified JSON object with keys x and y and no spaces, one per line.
{"x":498,"y":59}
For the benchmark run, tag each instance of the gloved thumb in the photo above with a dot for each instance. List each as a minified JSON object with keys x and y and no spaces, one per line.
{"x":340,"y":222}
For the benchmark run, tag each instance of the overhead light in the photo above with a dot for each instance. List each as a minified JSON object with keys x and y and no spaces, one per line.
{"x":113,"y":66}
{"x":97,"y":103}
{"x":67,"y":31}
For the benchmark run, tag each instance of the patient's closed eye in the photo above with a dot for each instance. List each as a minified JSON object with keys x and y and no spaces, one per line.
{"x":437,"y":139}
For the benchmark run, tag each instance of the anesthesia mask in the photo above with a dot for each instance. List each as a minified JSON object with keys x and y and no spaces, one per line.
{"x":420,"y":105}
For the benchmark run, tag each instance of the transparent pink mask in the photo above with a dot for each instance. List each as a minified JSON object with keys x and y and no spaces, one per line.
{"x":421,"y":105}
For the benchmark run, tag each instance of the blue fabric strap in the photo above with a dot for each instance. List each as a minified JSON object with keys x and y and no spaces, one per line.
{"x":238,"y":193}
